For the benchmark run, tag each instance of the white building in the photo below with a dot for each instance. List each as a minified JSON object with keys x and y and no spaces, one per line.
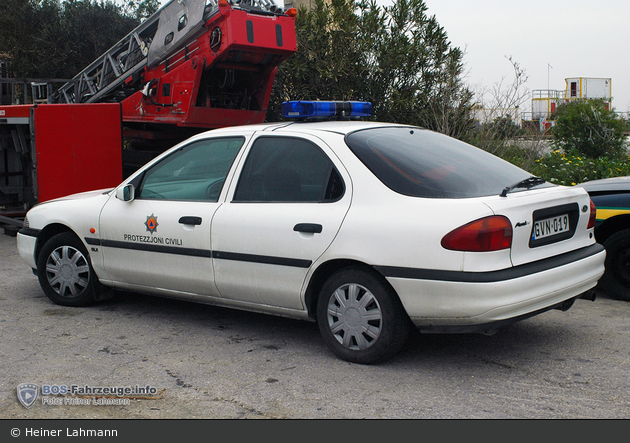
{"x":545,"y":101}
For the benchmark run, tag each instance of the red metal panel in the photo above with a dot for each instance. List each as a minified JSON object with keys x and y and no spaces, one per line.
{"x":15,"y":111}
{"x":262,"y":32}
{"x":78,"y":148}
{"x":252,"y":43}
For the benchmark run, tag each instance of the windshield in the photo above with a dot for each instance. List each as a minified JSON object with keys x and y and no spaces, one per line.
{"x":423,"y":163}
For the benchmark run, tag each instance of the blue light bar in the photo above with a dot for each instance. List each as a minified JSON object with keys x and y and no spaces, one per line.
{"x":321,"y":109}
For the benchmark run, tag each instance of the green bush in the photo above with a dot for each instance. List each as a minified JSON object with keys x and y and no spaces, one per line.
{"x":503,"y":128}
{"x":589,"y":127}
{"x":573,"y":168}
{"x":588,"y":138}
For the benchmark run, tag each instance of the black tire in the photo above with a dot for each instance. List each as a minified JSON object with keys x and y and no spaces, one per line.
{"x":361,"y":318}
{"x":616,"y":279}
{"x":65,"y":272}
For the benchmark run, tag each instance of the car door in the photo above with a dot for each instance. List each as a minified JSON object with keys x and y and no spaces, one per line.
{"x":160,"y":240}
{"x":285,"y":210}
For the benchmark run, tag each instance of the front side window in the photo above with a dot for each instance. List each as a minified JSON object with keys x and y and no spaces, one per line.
{"x":195,"y":172}
{"x":287,"y":169}
{"x":422,"y":163}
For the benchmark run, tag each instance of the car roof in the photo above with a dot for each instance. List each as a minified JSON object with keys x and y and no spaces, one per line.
{"x":607,"y":184}
{"x":338,"y":126}
{"x":342,"y":127}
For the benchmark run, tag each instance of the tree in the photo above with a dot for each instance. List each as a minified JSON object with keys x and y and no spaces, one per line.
{"x":57,"y":39}
{"x":396,"y":57}
{"x":499,"y":121}
{"x":499,"y":109}
{"x":589,"y":127}
{"x":140,"y":9}
{"x":25,"y":30}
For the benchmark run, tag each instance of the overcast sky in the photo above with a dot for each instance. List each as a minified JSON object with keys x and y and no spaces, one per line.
{"x":551,"y":40}
{"x":578,"y":38}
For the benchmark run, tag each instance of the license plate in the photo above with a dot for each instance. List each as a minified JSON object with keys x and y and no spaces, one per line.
{"x":550,"y":226}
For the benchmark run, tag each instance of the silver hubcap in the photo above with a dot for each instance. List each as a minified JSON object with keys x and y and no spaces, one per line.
{"x":354,"y":316}
{"x":67,"y":271}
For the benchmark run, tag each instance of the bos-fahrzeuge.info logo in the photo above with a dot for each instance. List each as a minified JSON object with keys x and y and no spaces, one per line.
{"x":27,"y":394}
{"x":56,"y":395}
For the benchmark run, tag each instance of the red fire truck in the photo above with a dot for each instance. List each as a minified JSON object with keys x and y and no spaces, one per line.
{"x":192,"y":66}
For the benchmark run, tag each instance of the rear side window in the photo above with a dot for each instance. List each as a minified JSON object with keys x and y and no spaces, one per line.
{"x":422,"y":163}
{"x":288,"y":169}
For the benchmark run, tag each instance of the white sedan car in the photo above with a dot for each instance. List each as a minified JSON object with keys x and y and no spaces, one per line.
{"x":367,"y":228}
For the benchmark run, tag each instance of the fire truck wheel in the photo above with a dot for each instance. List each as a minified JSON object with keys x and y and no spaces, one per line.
{"x":65,"y":272}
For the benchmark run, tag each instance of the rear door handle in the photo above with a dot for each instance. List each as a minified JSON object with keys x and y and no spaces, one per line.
{"x":308,"y":227}
{"x":190,"y":220}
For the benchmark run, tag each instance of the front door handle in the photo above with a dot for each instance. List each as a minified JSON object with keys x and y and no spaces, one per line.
{"x":190,"y":220}
{"x":308,"y":227}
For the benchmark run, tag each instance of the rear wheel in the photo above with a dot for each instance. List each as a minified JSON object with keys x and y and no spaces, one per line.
{"x":616,"y":279}
{"x":361,"y":318}
{"x":65,"y":273}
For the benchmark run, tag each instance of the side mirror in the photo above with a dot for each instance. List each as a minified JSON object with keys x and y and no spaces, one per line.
{"x":125,"y":193}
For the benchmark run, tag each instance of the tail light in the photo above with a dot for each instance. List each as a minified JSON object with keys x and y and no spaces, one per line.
{"x":593,"y":216}
{"x":487,"y":234}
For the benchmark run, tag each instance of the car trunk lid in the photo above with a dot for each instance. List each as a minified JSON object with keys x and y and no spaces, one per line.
{"x":546,"y":222}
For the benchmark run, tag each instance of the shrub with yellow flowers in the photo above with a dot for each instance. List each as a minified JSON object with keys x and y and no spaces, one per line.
{"x":572,"y":168}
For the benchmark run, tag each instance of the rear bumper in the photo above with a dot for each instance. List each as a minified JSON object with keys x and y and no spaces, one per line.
{"x":447,"y":301}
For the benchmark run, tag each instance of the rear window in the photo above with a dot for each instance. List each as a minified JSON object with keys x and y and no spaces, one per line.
{"x":423,"y":163}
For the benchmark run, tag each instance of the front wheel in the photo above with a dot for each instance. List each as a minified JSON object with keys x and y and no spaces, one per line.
{"x":616,"y":279}
{"x":65,"y":273}
{"x":361,"y":318}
